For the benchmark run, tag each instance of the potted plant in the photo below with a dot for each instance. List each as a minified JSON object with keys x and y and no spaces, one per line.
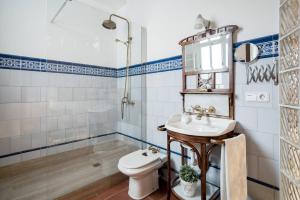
{"x":188,"y":179}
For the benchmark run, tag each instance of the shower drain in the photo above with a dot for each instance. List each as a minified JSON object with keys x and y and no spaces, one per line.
{"x":96,"y":164}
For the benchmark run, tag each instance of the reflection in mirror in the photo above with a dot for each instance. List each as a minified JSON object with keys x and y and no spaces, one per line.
{"x":189,"y":58}
{"x":210,"y":54}
{"x":191,"y":82}
{"x":246,"y":53}
{"x":222,"y":80}
{"x":205,"y":81}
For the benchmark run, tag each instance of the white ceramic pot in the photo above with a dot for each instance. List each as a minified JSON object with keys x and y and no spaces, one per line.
{"x":189,"y":189}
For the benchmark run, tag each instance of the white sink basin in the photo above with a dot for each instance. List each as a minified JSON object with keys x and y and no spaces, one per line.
{"x":206,"y":126}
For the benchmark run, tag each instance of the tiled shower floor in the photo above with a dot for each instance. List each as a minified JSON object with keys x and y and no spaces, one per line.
{"x":57,"y":175}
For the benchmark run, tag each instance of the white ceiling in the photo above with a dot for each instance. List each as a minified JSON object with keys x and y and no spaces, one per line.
{"x":113,"y":4}
{"x":106,"y":5}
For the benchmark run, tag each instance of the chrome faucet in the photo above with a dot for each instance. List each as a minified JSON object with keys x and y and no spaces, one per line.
{"x":200,"y":112}
{"x":125,"y":100}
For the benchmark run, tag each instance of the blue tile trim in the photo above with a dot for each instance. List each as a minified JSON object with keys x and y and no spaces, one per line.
{"x":55,"y":145}
{"x":267,"y":45}
{"x":44,"y":65}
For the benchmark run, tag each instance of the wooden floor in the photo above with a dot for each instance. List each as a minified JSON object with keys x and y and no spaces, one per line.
{"x":58,"y":175}
{"x":120,"y":192}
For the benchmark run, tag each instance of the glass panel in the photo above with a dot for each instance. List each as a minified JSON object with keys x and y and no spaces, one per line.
{"x":191,"y":82}
{"x":189,"y":58}
{"x":197,"y":54}
{"x":289,"y":88}
{"x":217,"y":59}
{"x":289,"y":16}
{"x":222,"y":80}
{"x":289,"y":191}
{"x":290,"y":160}
{"x":289,"y":51}
{"x":205,"y":58}
{"x":208,"y":55}
{"x":289,"y":121}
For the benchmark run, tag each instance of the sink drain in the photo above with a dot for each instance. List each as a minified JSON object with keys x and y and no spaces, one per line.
{"x":96,"y":164}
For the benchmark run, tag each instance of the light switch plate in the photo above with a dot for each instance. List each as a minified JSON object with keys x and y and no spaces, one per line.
{"x":251,"y":96}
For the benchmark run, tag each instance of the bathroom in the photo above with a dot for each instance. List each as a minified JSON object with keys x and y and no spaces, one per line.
{"x":90,"y":91}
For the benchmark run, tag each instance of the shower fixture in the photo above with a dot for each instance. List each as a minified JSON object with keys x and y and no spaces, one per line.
{"x":59,"y":10}
{"x":110,"y":24}
{"x":121,"y":41}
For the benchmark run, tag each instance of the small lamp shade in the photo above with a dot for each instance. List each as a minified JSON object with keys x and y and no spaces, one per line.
{"x":201,"y":23}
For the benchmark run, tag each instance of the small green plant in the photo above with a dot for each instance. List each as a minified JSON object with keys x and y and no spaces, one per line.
{"x":188,"y":174}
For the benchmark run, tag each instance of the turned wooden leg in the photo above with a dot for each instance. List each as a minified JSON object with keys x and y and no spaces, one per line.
{"x":169,"y":168}
{"x":203,"y":171}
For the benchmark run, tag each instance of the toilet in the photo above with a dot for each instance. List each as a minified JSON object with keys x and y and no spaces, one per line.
{"x":142,"y":168}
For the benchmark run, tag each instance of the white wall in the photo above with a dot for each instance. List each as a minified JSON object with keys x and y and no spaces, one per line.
{"x":76,"y":35}
{"x":136,"y":43}
{"x":169,"y":21}
{"x":39,"y":109}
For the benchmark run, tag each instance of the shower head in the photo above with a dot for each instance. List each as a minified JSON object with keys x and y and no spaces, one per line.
{"x":109,"y":24}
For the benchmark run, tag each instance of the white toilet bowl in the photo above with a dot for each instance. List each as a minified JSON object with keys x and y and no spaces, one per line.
{"x":142,"y":168}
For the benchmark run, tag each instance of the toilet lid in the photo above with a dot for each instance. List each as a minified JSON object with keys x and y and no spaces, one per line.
{"x":138,"y":159}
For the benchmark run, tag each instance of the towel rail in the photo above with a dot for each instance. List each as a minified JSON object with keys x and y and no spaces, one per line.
{"x":222,"y":141}
{"x":161,"y":128}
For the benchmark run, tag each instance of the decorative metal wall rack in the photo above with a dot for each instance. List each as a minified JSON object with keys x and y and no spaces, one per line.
{"x":262,"y":73}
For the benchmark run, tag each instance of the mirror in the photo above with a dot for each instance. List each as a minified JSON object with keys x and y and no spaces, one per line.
{"x":208,"y":55}
{"x":191,"y":82}
{"x":246,"y":53}
{"x":213,"y":80}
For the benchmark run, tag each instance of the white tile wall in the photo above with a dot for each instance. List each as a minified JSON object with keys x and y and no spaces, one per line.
{"x":10,"y":94}
{"x":259,"y":192}
{"x":39,"y":109}
{"x":73,"y":107}
{"x":259,"y":121}
{"x":31,"y":94}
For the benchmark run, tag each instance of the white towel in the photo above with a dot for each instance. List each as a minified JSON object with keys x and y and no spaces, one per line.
{"x":233,"y":180}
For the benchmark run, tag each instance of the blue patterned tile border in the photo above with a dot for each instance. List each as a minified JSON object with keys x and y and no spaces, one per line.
{"x":43,"y":65}
{"x":268,"y":47}
{"x":167,"y":64}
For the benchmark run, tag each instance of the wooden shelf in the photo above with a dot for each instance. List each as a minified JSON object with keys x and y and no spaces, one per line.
{"x":211,"y":192}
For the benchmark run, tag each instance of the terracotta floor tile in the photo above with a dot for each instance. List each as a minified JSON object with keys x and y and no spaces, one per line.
{"x":120,"y":192}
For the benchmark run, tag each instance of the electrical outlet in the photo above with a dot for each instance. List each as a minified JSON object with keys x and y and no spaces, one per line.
{"x":263,"y":97}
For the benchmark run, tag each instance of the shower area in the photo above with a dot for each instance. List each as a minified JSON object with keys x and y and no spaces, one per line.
{"x":69,"y":109}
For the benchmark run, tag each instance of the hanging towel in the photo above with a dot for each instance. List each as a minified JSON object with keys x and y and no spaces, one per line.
{"x":233,"y":180}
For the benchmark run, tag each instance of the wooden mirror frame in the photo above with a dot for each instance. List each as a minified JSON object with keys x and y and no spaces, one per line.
{"x":229,"y":29}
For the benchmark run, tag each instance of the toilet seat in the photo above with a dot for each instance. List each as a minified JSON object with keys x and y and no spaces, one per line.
{"x":136,"y":163}
{"x":139,"y":159}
